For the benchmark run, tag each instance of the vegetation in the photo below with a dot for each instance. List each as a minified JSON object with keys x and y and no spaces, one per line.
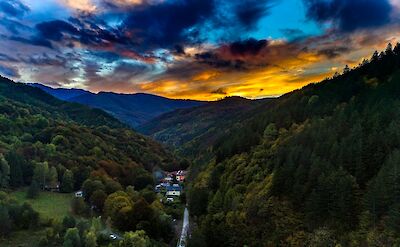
{"x":49,"y":205}
{"x":315,"y":167}
{"x":52,"y":148}
{"x":192,"y":131}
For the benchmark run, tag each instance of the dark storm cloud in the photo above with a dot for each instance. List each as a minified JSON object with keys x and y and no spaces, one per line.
{"x":220,"y":90}
{"x":250,"y":11}
{"x":334,"y":52}
{"x":247,"y":47}
{"x":55,"y":30}
{"x":350,"y":15}
{"x":169,"y":23}
{"x":145,"y":27}
{"x":13,"y":7}
{"x":216,"y":61}
{"x":234,"y":55}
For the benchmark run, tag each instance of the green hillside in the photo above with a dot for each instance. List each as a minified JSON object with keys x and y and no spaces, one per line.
{"x":193,"y":131}
{"x":48,"y":144}
{"x":315,"y":167}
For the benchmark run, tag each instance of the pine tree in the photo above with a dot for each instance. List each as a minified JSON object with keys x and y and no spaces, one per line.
{"x":396,"y":49}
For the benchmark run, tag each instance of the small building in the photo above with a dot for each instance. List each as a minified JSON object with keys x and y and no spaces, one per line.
{"x":180,"y":176}
{"x":79,"y":194}
{"x":173,"y":191}
{"x":167,"y":180}
{"x":157,"y":189}
{"x":52,"y":188}
{"x":164,"y":185}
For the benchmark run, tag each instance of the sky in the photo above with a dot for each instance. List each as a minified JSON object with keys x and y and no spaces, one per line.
{"x":190,"y":49}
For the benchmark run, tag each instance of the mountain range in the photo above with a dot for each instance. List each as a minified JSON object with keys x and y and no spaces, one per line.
{"x":132,"y":109}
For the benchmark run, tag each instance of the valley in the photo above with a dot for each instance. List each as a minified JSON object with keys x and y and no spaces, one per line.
{"x":199,"y":123}
{"x":314,"y":167}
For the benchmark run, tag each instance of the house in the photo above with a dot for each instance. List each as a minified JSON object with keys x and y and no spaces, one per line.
{"x":157,"y":189}
{"x":173,"y":191}
{"x":164,"y":185}
{"x":53,"y":188}
{"x":79,"y":194}
{"x":180,"y":176}
{"x":167,"y":180}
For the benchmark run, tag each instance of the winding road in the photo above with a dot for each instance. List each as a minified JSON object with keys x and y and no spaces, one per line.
{"x":185,"y":229}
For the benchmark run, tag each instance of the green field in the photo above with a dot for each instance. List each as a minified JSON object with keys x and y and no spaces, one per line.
{"x":48,"y":204}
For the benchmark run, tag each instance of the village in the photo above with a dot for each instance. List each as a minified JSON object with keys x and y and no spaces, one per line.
{"x":170,"y":186}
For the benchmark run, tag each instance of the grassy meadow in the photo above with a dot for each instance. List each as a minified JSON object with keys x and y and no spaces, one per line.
{"x":48,"y":204}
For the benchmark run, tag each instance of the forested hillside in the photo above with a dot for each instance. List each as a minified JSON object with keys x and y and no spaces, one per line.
{"x":49,"y":144}
{"x":315,"y":167}
{"x":192,"y":131}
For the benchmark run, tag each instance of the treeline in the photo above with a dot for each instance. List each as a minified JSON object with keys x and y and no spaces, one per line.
{"x":316,"y":167}
{"x":314,"y":100}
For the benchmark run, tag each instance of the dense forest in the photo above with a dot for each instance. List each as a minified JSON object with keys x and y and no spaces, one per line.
{"x":191,"y":132}
{"x":316,"y":167}
{"x":48,"y":144}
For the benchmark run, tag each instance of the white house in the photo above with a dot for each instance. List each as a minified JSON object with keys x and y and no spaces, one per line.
{"x":173,"y":193}
{"x":79,"y":194}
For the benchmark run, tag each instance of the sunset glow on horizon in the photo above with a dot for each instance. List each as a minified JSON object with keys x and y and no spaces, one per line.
{"x":190,"y":49}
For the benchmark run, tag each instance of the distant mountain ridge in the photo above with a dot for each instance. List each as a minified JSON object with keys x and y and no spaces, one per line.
{"x":132,"y":109}
{"x":192,"y":131}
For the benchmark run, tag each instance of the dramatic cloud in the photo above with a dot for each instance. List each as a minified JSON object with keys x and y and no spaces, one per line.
{"x":350,"y":15}
{"x":190,"y":48}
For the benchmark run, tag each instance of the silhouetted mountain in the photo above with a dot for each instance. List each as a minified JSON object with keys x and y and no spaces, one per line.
{"x":61,"y":93}
{"x":133,"y":109}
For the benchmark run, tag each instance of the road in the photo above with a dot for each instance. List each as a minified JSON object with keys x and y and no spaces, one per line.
{"x":185,"y":229}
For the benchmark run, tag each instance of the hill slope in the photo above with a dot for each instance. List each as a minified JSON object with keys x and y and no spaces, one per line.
{"x":133,"y":109}
{"x":51,"y":144}
{"x":192,"y":131}
{"x":40,"y":128}
{"x":315,"y":167}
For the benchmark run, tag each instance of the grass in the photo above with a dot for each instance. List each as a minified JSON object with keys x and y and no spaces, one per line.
{"x":48,"y":204}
